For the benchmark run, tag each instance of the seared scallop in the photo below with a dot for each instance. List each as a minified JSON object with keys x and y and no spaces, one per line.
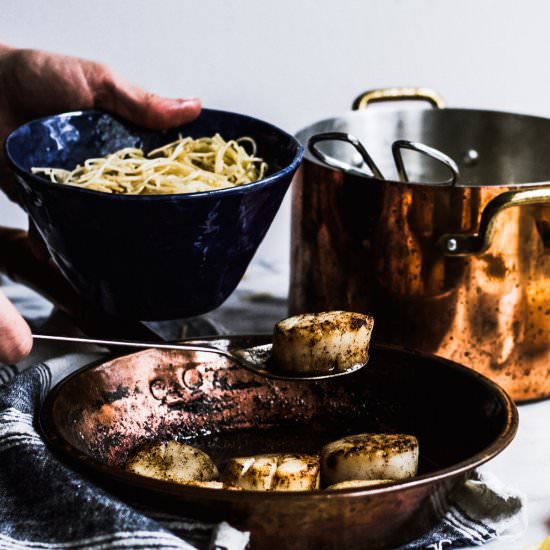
{"x":369,"y":456}
{"x":273,"y":472}
{"x":296,"y":473}
{"x":322,"y":342}
{"x":254,"y":473}
{"x":172,"y":461}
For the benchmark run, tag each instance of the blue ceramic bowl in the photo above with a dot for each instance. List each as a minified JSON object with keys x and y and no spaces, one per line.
{"x":148,"y":257}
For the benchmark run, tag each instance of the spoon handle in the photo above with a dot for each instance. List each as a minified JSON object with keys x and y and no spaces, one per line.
{"x":131,"y":343}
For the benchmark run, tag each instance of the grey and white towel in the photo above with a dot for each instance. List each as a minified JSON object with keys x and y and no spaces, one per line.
{"x":481,"y":511}
{"x":46,"y":505}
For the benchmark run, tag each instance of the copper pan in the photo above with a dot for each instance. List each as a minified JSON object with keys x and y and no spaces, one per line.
{"x":96,"y":417}
{"x":447,"y":245}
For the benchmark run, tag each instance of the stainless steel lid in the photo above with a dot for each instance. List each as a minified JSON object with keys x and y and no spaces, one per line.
{"x":463,"y":147}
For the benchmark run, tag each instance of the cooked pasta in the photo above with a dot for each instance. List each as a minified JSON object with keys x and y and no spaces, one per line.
{"x":186,"y":165}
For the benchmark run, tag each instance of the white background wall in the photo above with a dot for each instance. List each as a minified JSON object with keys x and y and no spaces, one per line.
{"x":293,"y":62}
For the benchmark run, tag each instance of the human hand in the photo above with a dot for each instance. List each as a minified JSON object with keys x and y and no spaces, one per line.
{"x":34,"y":84}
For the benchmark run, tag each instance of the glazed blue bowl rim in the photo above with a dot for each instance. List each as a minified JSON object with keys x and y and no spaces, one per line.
{"x":289,"y":169}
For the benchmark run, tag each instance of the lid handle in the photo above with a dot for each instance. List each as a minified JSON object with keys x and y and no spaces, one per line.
{"x":338,"y":164}
{"x":426,"y":150}
{"x":398,"y":94}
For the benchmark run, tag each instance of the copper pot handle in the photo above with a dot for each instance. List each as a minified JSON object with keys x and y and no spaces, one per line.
{"x":398,"y":94}
{"x":469,"y":244}
{"x":338,"y":164}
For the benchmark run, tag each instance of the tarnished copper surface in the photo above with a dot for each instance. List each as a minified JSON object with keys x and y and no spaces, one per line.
{"x":97,"y":416}
{"x":372,"y":247}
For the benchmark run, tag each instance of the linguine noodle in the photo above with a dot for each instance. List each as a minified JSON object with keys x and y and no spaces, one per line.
{"x":186,"y":165}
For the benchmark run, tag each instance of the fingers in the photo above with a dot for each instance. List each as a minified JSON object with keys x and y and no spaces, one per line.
{"x":15,"y":334}
{"x":133,"y":103}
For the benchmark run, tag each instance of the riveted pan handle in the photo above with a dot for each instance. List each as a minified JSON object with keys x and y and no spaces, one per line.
{"x":338,"y":164}
{"x":464,"y":244}
{"x":426,"y":150}
{"x":398,"y":94}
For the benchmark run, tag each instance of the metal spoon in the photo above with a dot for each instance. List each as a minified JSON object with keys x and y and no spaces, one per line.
{"x":256,"y":359}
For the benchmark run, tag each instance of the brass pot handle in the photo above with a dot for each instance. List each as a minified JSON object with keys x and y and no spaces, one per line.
{"x":338,"y":164}
{"x":398,"y":94}
{"x":468,"y":244}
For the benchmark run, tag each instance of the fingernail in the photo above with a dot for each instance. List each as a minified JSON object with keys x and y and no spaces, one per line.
{"x":184,"y":100}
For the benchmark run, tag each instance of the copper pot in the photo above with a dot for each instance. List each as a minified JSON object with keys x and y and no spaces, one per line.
{"x":437,"y":222}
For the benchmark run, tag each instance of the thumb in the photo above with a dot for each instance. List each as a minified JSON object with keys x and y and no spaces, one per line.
{"x":15,"y":334}
{"x":143,"y":108}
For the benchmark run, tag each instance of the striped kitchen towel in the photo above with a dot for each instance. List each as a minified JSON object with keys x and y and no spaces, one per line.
{"x":481,"y":511}
{"x":46,"y":505}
